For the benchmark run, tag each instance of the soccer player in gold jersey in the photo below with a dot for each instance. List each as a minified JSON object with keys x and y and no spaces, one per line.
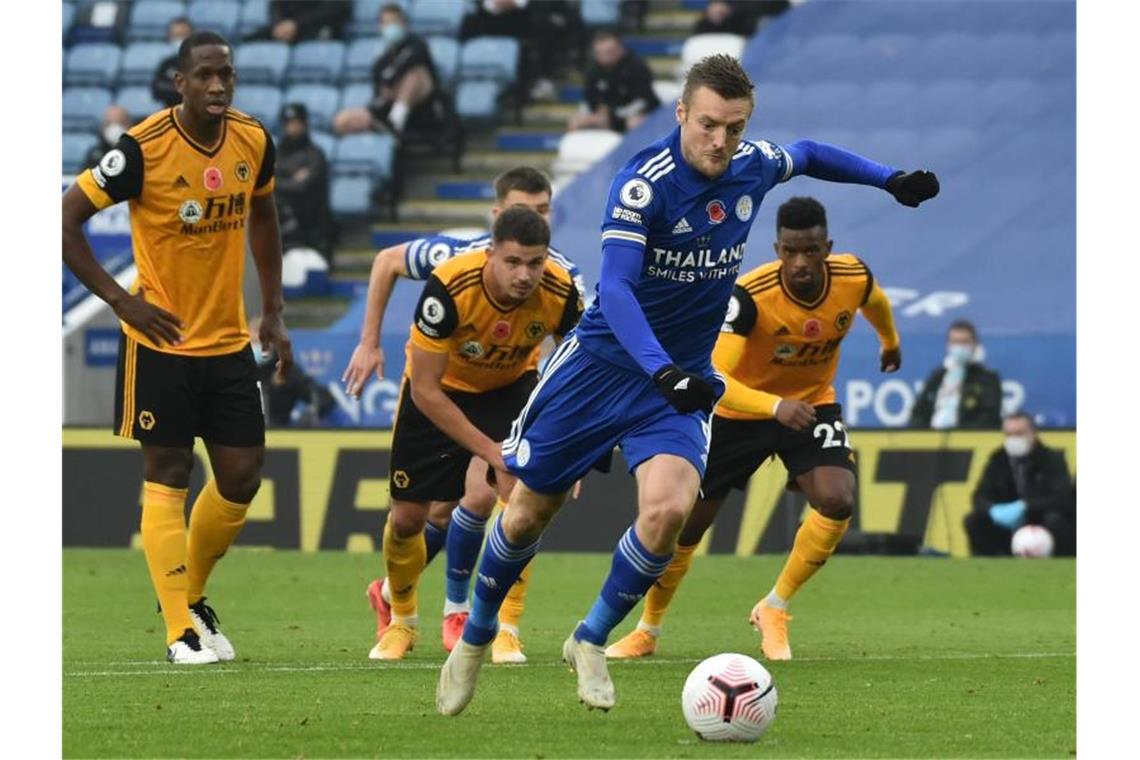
{"x":194,"y":176}
{"x":778,"y":351}
{"x":472,"y":357}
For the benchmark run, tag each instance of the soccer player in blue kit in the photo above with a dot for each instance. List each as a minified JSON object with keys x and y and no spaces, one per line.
{"x":637,"y":371}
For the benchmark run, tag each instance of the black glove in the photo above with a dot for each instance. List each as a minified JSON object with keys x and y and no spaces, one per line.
{"x":686,"y":392}
{"x":911,"y":189}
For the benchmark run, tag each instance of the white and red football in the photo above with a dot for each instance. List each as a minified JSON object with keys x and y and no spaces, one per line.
{"x":729,"y":698}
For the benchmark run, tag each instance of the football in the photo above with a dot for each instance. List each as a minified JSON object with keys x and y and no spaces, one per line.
{"x":1032,"y":541}
{"x":729,"y":698}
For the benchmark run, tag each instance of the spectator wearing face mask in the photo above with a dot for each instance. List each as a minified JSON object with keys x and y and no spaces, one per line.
{"x":162,"y":86}
{"x":962,"y":394}
{"x":302,"y":188}
{"x":1025,"y":483}
{"x":403,"y":78}
{"x":116,"y":121}
{"x":619,"y":87}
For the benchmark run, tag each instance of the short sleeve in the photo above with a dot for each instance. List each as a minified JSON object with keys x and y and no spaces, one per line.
{"x":423,"y":255}
{"x":571,"y":313}
{"x":117,"y":177}
{"x":633,"y":201}
{"x":741,"y":315}
{"x":265,"y":172}
{"x":436,"y":318}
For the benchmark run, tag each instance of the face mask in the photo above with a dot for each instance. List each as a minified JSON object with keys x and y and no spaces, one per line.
{"x":1017,"y":445}
{"x":392,"y":33}
{"x":959,"y":353}
{"x":112,"y":133}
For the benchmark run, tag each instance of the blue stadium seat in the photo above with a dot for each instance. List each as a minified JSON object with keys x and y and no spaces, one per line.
{"x":950,"y":103}
{"x":1015,"y":54}
{"x":93,"y":64}
{"x":68,"y":17}
{"x":350,"y":196}
{"x":369,"y":154}
{"x":445,"y":56}
{"x":321,"y":100}
{"x":883,"y":56}
{"x":490,"y":58}
{"x":325,"y":141}
{"x":366,"y":18}
{"x":260,"y":101}
{"x":221,"y":16}
{"x":827,"y":104}
{"x":254,"y":17}
{"x":944,"y":147}
{"x":831,"y":55}
{"x":317,"y":61}
{"x":438,"y":16}
{"x":361,"y":54}
{"x":141,"y":59}
{"x":891,"y":145}
{"x":261,"y":63}
{"x":148,"y":20}
{"x":952,"y":55}
{"x":477,"y":100}
{"x":76,"y":146}
{"x":601,"y":12}
{"x":138,"y":101}
{"x":1014,"y":101}
{"x":777,"y":103}
{"x":889,"y":104}
{"x":83,"y":107}
{"x":356,"y":95}
{"x":1059,"y":53}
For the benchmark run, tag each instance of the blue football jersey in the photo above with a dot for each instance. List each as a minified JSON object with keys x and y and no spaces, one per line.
{"x":424,"y":254}
{"x":693,"y":231}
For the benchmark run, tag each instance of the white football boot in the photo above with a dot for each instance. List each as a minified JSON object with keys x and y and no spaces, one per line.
{"x":595,"y":688}
{"x":458,"y":677}
{"x":206,"y":624}
{"x":189,"y":650}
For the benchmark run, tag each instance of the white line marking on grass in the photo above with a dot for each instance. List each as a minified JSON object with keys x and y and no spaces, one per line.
{"x":165,"y":669}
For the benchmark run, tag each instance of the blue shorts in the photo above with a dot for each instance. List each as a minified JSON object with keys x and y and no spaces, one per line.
{"x":584,"y":406}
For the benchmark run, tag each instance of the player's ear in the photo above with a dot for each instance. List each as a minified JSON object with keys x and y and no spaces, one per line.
{"x":680,"y":111}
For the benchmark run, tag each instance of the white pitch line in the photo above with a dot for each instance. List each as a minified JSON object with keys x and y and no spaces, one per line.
{"x":164,"y":669}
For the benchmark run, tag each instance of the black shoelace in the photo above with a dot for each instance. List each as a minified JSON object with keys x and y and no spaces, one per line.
{"x":206,"y":612}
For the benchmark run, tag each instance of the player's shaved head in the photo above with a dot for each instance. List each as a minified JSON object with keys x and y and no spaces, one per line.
{"x":801,"y":213}
{"x":195,"y":40}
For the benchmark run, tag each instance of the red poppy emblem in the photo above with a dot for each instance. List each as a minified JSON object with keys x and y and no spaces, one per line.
{"x":501,"y":330}
{"x":212,"y":177}
{"x":716,"y":211}
{"x":812,"y":328}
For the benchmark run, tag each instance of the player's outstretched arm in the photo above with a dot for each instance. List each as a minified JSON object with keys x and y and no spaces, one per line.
{"x":368,"y":357}
{"x":427,"y":373}
{"x":157,"y":324}
{"x":878,"y":312}
{"x":834,"y":164}
{"x":265,"y":244}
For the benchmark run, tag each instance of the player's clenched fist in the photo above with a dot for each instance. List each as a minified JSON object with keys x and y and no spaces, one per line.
{"x":685,"y":391}
{"x":798,"y":415}
{"x":890,"y":359}
{"x":912,"y":188}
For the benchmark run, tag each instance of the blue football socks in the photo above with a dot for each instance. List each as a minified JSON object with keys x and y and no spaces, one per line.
{"x":464,"y":539}
{"x":632,"y":573}
{"x":500,"y":567}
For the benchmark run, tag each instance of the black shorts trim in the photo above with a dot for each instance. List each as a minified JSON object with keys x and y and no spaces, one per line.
{"x":426,"y":464}
{"x":739,"y":447}
{"x":164,"y":399}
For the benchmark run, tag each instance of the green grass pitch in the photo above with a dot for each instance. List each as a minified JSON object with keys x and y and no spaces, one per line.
{"x":894,"y":658}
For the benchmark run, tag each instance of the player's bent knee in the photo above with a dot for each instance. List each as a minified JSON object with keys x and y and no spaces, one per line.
{"x":836,"y":505}
{"x":407,"y":519}
{"x":240,"y":490}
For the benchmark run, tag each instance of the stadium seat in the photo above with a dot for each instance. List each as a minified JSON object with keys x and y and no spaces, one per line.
{"x":76,"y":146}
{"x":825,"y":105}
{"x":141,"y":59}
{"x":148,"y":20}
{"x":366,"y":18}
{"x":138,"y":101}
{"x":369,"y":154}
{"x":325,"y":141}
{"x":478,"y":100}
{"x":601,"y":12}
{"x":777,"y":103}
{"x":1017,"y":54}
{"x":494,"y":58}
{"x":890,"y":104}
{"x":667,"y":91}
{"x":260,"y":101}
{"x":952,"y":55}
{"x":361,"y":54}
{"x":701,"y":45}
{"x":219,"y":16}
{"x":93,"y":64}
{"x":350,"y":196}
{"x":319,"y":61}
{"x":356,"y":95}
{"x":68,"y":17}
{"x":445,"y":56}
{"x":438,"y":16}
{"x":581,"y":149}
{"x":1012,"y":101}
{"x":943,"y":147}
{"x":262,"y":62}
{"x":254,"y":17}
{"x":83,"y":107}
{"x":321,"y":100}
{"x":831,"y":56}
{"x":891,"y":145}
{"x":1059,"y":53}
